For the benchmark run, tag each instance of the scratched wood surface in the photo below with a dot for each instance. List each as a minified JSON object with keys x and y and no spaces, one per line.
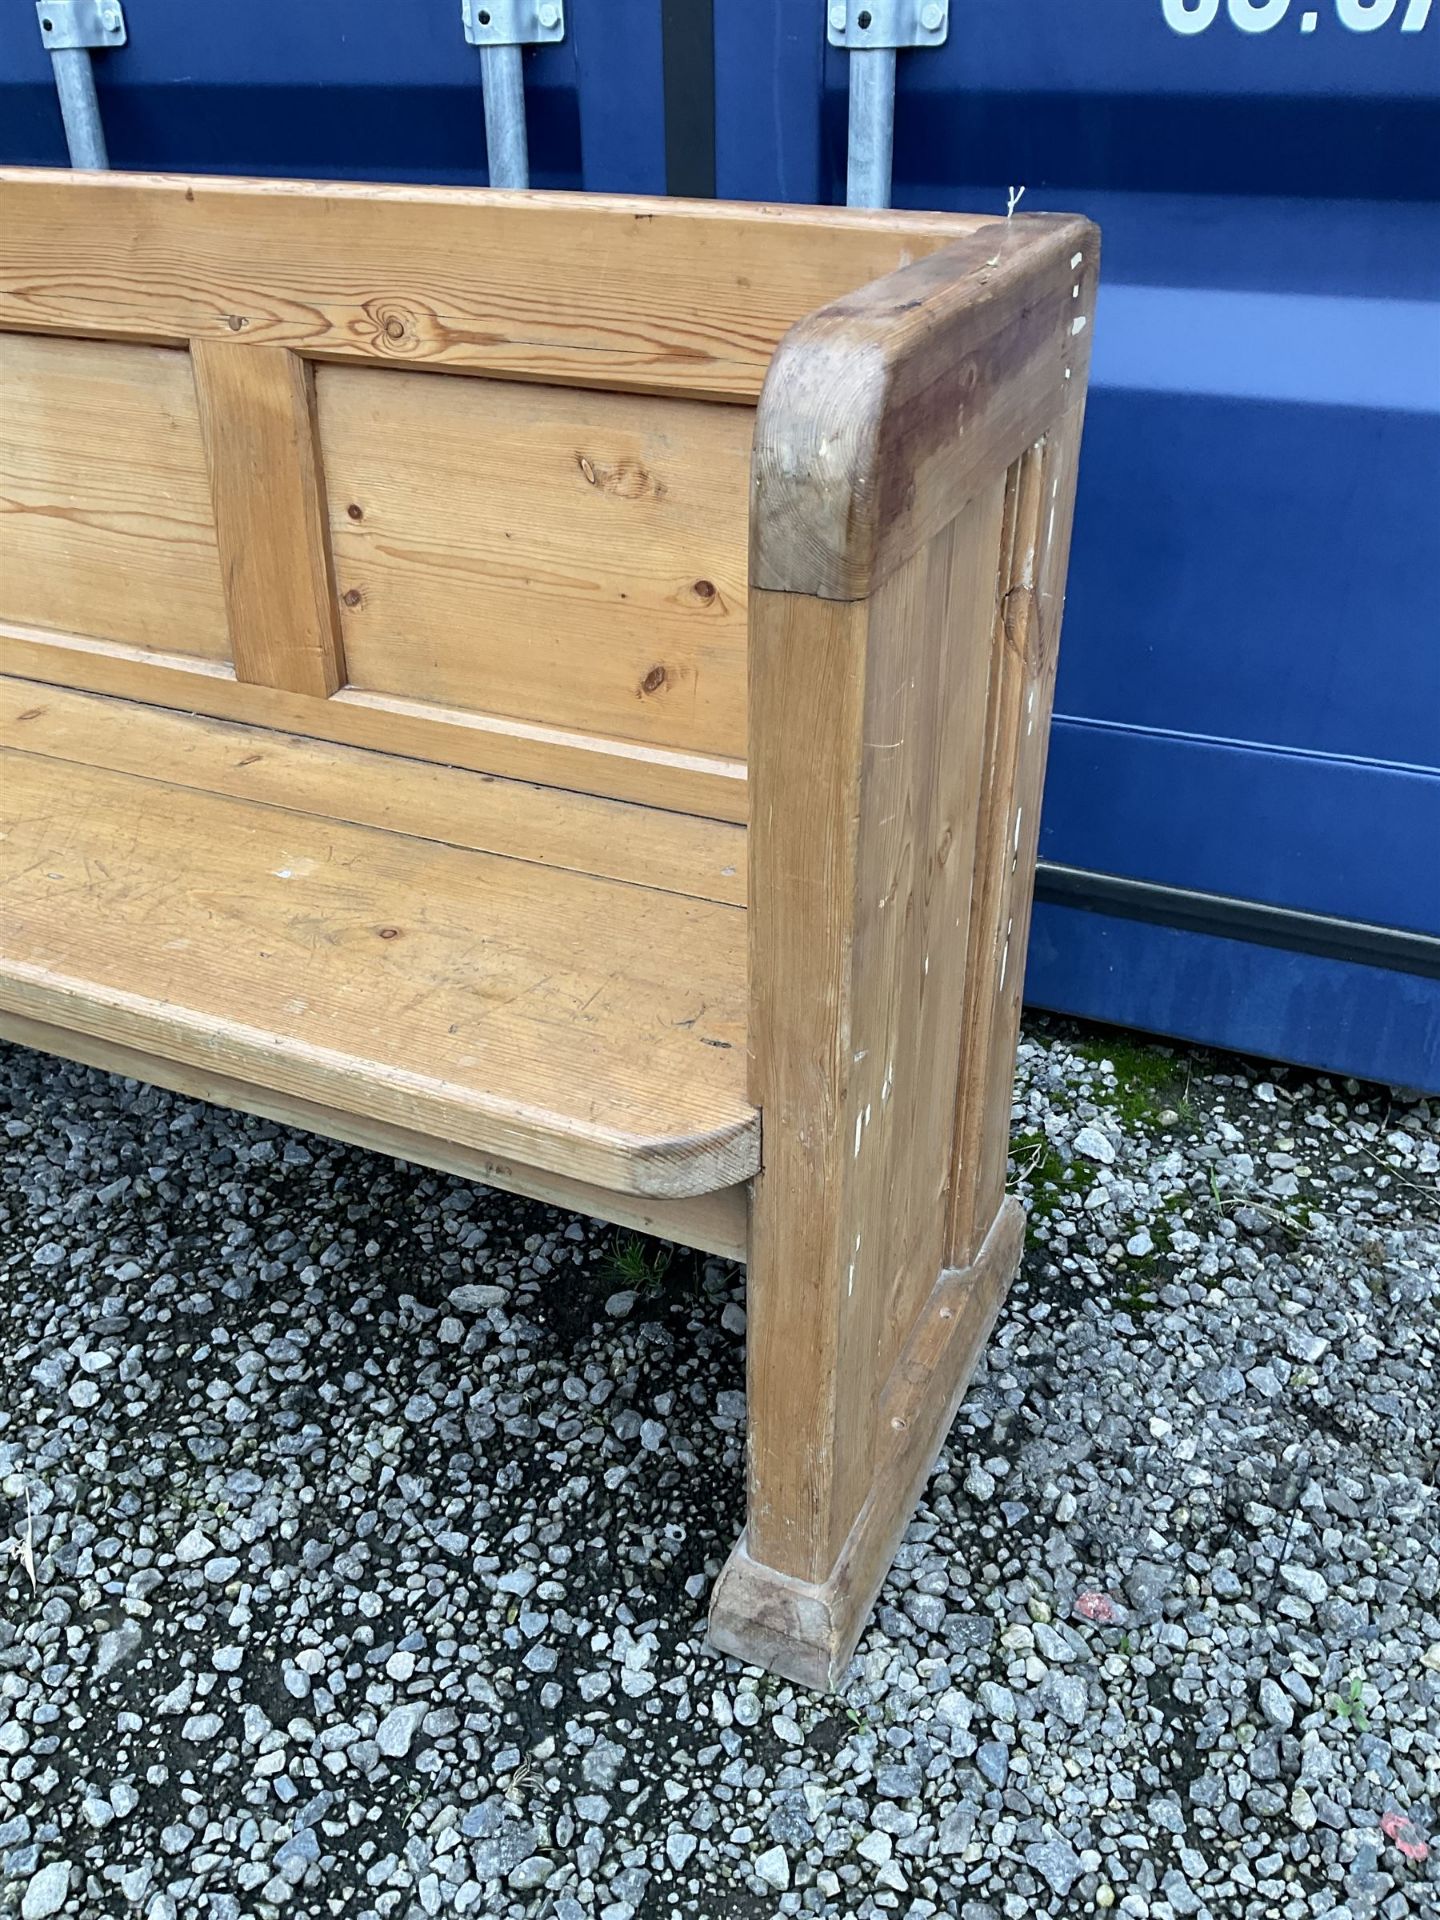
{"x":887,"y":410}
{"x":665,"y":296}
{"x":862,"y":855}
{"x":568,"y":557}
{"x":807,"y":1630}
{"x":105,"y":521}
{"x":576,"y":1024}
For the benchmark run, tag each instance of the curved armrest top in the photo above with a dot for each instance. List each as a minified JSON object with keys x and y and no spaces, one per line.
{"x":883,"y":412}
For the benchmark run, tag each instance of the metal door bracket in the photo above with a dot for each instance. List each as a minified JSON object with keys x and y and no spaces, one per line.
{"x":80,"y":23}
{"x":69,"y":29}
{"x":513,"y":23}
{"x":872,"y":30}
{"x":888,"y":23}
{"x":500,"y":28}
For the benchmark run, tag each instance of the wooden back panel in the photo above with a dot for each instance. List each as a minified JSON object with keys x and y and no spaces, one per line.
{"x":230,"y":482}
{"x":105,"y":519}
{"x":556,"y":554}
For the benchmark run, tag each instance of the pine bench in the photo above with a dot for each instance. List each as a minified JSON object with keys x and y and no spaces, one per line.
{"x":556,"y":689}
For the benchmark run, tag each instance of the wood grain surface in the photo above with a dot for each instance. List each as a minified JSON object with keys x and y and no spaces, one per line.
{"x":567,"y":557}
{"x":580,"y":1026}
{"x":666,"y":296}
{"x":715,"y":1222}
{"x":105,"y":521}
{"x":257,"y":414}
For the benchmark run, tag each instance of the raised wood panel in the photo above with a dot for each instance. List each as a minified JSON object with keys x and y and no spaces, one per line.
{"x":105,"y":518}
{"x":1022,"y":690}
{"x":643,"y":294}
{"x":563,"y":556}
{"x":931,"y":702}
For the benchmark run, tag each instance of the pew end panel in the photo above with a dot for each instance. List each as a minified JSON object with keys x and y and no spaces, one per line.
{"x":914,"y":472}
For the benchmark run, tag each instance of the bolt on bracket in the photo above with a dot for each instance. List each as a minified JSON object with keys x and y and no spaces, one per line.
{"x":859,"y":24}
{"x":69,"y":24}
{"x":513,"y":23}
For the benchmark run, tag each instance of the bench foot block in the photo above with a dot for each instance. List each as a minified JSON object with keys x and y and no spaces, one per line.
{"x":805,"y":1630}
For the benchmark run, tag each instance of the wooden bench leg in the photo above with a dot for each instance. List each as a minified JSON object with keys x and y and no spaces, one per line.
{"x":881,"y":1242}
{"x":798,"y":1589}
{"x":914,"y":471}
{"x":862,"y":1327}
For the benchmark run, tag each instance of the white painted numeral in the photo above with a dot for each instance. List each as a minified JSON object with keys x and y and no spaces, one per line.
{"x":1258,"y":16}
{"x":1190,"y":16}
{"x":1364,"y":16}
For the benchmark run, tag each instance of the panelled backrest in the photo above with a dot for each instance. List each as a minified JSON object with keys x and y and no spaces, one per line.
{"x":231,"y":482}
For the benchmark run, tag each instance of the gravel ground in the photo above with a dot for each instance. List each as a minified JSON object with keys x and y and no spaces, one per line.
{"x":361,"y":1524}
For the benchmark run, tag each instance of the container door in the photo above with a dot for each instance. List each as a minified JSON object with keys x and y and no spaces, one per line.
{"x":1249,"y":694}
{"x":347,"y":89}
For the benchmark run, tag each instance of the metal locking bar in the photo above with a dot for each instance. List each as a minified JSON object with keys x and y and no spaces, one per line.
{"x":69,"y":29}
{"x":499,"y":28}
{"x":872,"y":30}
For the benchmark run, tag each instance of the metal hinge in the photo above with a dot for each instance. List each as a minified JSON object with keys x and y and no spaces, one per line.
{"x":67,"y":24}
{"x":513,"y":23}
{"x":888,"y":23}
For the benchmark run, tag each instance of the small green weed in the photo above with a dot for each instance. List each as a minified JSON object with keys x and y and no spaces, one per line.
{"x":1138,"y":1299}
{"x":1349,"y":1706}
{"x":1053,"y":1180}
{"x":637,"y":1262}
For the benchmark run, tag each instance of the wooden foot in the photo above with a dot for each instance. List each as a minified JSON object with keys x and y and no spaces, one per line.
{"x":807,"y":1630}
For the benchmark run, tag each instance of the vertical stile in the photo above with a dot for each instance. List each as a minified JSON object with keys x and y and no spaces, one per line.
{"x":257,"y":416}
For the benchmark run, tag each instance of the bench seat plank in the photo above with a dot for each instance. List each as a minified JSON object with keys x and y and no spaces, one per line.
{"x":715,"y":1222}
{"x":576,"y":1024}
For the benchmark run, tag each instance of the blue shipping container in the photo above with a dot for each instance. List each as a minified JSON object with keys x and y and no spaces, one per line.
{"x":1249,"y":694}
